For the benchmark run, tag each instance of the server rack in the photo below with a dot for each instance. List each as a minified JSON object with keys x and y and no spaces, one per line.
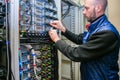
{"x":33,"y":55}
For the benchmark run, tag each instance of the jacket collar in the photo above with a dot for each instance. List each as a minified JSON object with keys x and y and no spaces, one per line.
{"x":97,"y":23}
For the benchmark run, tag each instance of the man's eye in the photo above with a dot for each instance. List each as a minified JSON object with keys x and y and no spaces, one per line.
{"x":85,"y":7}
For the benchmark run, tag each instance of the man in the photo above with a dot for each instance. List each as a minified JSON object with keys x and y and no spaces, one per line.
{"x":98,"y":47}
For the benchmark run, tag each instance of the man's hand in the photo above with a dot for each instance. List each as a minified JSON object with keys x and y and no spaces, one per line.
{"x":53,"y":35}
{"x":58,"y":25}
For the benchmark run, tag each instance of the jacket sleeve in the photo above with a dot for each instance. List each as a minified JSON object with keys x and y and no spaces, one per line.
{"x":98,"y":45}
{"x":73,"y":37}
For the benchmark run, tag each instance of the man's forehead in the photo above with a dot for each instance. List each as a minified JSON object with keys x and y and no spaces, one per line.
{"x":90,"y":1}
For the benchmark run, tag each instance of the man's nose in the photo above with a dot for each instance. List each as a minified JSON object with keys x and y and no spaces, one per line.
{"x":84,"y":11}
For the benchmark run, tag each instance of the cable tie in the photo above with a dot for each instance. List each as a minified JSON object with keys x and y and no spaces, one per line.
{"x":33,"y":54}
{"x":7,"y":42}
{"x":34,"y":65}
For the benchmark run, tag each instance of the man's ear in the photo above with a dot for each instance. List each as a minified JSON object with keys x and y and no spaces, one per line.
{"x":98,"y":8}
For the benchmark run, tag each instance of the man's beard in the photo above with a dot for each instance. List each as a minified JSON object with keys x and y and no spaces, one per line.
{"x":93,"y":17}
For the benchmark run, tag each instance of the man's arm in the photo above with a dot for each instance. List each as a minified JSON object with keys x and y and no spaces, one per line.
{"x":73,"y":37}
{"x":98,"y":45}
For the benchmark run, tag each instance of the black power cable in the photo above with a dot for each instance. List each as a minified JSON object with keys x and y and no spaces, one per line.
{"x":67,"y":10}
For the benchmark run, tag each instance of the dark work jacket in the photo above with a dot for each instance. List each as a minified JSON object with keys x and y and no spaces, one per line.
{"x":97,"y":51}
